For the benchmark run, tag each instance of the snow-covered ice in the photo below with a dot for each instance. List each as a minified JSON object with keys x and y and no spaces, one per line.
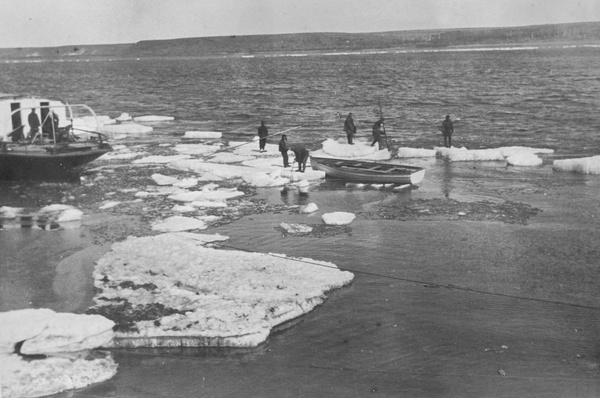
{"x":61,"y":338}
{"x":212,"y":297}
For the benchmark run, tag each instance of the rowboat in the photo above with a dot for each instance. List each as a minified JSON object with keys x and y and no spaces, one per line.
{"x":49,"y":148}
{"x":368,"y":172}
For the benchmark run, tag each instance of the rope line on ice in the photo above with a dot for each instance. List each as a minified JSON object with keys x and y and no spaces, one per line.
{"x":427,"y":284}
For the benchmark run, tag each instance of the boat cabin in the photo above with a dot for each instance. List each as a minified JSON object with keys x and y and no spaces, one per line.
{"x":15,"y":110}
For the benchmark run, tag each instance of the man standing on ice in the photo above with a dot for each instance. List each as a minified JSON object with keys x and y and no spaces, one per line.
{"x":447,"y":130}
{"x":263,"y":132}
{"x":350,"y":128}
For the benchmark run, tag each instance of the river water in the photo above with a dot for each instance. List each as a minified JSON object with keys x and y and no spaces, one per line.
{"x":440,"y":306}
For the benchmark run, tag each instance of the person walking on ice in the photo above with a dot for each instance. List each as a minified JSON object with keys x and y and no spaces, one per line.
{"x":263,"y":133}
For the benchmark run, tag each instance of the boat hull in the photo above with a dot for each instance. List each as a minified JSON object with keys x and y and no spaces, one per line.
{"x":368,"y":172}
{"x":43,"y":163}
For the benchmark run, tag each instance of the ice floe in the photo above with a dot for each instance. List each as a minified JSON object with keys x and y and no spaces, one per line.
{"x":338,"y":218}
{"x":588,"y":165}
{"x":524,"y":159}
{"x":208,"y":297}
{"x":360,"y":149}
{"x":153,"y":118}
{"x":202,"y":134}
{"x":309,"y":208}
{"x":519,"y":156}
{"x":63,"y":340}
{"x":415,"y":153}
{"x":10,"y":212}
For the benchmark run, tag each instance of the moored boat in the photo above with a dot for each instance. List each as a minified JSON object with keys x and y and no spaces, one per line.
{"x":357,"y":170}
{"x":38,"y":141}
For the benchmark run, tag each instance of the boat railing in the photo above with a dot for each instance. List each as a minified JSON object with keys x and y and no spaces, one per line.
{"x":59,"y":134}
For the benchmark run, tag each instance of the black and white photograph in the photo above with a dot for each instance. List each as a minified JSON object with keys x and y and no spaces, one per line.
{"x":299,"y":198}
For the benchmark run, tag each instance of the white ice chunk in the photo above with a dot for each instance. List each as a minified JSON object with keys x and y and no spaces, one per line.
{"x":464,"y":155}
{"x":338,"y":218}
{"x":184,"y":208}
{"x":161,"y":179}
{"x":109,"y":205}
{"x":124,"y":117}
{"x":513,"y":150}
{"x":202,"y":134}
{"x":524,"y":159}
{"x":309,"y":208}
{"x":10,"y":212}
{"x":70,"y":215}
{"x":153,"y":118}
{"x":589,"y":165}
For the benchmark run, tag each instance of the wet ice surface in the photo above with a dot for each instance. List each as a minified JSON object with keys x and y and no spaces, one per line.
{"x":433,"y":303}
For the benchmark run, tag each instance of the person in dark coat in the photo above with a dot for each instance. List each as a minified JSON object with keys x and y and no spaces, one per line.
{"x":377,"y":133}
{"x":283,"y":148}
{"x":34,"y":124}
{"x":301,"y":154}
{"x":350,"y":128}
{"x":447,"y":130}
{"x":263,"y":132}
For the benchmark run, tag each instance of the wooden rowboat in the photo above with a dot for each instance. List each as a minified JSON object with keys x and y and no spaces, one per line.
{"x":368,"y":172}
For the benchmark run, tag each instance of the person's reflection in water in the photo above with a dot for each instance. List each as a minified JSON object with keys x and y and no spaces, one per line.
{"x":447,"y":179}
{"x":291,"y":196}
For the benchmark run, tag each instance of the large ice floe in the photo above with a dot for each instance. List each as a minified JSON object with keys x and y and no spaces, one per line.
{"x":43,"y":352}
{"x":589,"y":165}
{"x":515,"y":155}
{"x":188,"y":294}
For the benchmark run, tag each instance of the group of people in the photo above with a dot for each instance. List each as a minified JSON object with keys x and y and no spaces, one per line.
{"x":447,"y":128}
{"x":300,"y":152}
{"x":49,"y":128}
{"x":378,"y":131}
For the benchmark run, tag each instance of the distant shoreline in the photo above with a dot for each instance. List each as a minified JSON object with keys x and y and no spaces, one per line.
{"x":558,"y":35}
{"x":307,"y":53}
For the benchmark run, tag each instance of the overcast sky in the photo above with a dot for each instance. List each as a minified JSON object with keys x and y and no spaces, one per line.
{"x":40,"y":23}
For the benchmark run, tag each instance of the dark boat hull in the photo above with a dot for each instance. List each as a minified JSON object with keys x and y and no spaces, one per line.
{"x":368,"y":172}
{"x":46,"y":163}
